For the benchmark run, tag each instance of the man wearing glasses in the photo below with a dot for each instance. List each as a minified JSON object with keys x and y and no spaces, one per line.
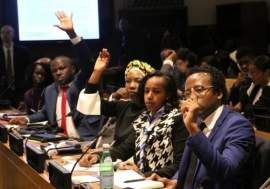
{"x":220,"y":149}
{"x":13,"y":61}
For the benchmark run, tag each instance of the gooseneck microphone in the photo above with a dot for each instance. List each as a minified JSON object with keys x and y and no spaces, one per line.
{"x":205,"y":182}
{"x":68,"y":146}
{"x":3,"y":92}
{"x":14,"y":130}
{"x":49,"y":125}
{"x":111,"y":122}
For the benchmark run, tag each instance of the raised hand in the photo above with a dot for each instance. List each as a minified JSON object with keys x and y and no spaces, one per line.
{"x":66,"y":23}
{"x":102,"y":60}
{"x":190,"y":110}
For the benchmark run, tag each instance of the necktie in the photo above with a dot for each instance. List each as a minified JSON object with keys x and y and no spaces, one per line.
{"x":192,"y":165}
{"x":9,"y":68}
{"x":63,"y":108}
{"x":152,"y":121}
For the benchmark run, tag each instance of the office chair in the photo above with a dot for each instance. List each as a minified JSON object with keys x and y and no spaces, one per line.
{"x":261,"y":167}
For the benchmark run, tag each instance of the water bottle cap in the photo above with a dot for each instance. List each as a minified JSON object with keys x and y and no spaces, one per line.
{"x":106,"y":146}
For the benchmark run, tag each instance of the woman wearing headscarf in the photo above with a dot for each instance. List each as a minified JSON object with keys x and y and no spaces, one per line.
{"x":158,"y":140}
{"x":126,"y":112}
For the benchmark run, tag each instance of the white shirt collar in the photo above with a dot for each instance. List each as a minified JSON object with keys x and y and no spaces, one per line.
{"x":10,"y":48}
{"x":210,"y":121}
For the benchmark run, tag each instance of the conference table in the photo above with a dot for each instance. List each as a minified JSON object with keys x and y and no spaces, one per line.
{"x":15,"y":173}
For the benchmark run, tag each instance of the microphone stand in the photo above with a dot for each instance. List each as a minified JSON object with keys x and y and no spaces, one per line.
{"x":48,"y":126}
{"x":76,"y":146}
{"x":112,"y":121}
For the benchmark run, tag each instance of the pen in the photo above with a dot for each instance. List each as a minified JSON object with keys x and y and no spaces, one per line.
{"x":134,"y":180}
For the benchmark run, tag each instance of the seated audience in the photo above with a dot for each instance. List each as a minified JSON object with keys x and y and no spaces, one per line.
{"x":125,"y":111}
{"x":244,"y":57}
{"x":38,"y":76}
{"x":221,"y":146}
{"x":61,"y":97}
{"x":159,"y":135}
{"x":259,"y":91}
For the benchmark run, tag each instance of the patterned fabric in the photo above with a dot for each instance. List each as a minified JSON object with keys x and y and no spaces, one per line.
{"x":159,"y":148}
{"x":143,"y":67}
{"x":152,"y":121}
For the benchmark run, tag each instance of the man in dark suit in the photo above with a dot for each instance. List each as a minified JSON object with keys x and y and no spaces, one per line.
{"x":13,"y":61}
{"x":79,"y":125}
{"x":220,"y":150}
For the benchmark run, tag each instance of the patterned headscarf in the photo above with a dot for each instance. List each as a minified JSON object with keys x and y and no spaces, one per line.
{"x":142,"y":67}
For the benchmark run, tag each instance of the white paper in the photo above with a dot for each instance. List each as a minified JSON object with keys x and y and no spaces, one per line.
{"x":37,"y":123}
{"x":121,"y":176}
{"x":9,"y":126}
{"x":85,"y":178}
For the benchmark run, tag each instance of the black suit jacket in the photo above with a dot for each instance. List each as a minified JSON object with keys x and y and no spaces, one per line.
{"x":21,"y":59}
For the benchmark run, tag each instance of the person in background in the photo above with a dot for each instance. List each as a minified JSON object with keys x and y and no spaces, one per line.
{"x":61,"y":97}
{"x":38,"y":76}
{"x":259,"y":91}
{"x":159,"y":135}
{"x":13,"y":62}
{"x":244,"y":57}
{"x":210,"y":61}
{"x":186,"y":59}
{"x":221,"y":147}
{"x":131,"y":45}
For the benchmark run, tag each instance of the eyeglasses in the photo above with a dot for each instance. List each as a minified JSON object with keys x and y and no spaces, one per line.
{"x":199,"y":89}
{"x":8,"y":32}
{"x":253,"y":74}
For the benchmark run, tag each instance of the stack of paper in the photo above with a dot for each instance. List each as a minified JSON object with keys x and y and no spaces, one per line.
{"x":123,"y":179}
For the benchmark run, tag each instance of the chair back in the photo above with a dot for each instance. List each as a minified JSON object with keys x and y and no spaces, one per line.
{"x":261,"y":166}
{"x":229,"y":83}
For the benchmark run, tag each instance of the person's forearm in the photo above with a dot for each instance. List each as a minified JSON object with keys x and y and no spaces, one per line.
{"x":95,"y":77}
{"x":71,"y":34}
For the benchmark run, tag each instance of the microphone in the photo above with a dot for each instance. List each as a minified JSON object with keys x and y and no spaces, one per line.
{"x":14,"y":130}
{"x":3,"y":80}
{"x":111,"y":122}
{"x":205,"y":182}
{"x":53,"y":150}
{"x":49,"y":125}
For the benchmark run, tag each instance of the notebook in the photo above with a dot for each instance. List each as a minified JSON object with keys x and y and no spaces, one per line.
{"x":127,"y":175}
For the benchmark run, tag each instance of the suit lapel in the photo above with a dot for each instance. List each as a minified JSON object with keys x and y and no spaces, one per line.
{"x":219,"y":122}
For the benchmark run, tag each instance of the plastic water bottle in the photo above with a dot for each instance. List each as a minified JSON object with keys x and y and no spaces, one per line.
{"x":106,"y":169}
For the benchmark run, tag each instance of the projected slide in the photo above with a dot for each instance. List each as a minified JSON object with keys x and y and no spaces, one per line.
{"x":36,"y":19}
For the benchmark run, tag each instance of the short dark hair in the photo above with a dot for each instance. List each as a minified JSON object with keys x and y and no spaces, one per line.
{"x":217,"y":79}
{"x":169,"y":86}
{"x":262,"y":63}
{"x":211,"y":61}
{"x":186,"y":54}
{"x":30,"y":70}
{"x":244,"y":51}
